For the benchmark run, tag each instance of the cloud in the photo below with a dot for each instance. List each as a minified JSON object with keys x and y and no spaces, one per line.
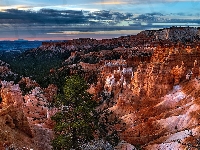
{"x":44,"y":16}
{"x":53,"y":22}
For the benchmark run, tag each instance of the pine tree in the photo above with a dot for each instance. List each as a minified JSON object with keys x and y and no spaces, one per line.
{"x":75,"y":122}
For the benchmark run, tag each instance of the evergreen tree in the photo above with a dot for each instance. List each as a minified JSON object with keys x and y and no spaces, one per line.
{"x":75,"y":122}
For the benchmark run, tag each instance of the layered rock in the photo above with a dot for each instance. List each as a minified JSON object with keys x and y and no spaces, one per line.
{"x":150,"y":81}
{"x":182,"y":34}
{"x":11,"y":95}
{"x":163,"y":110}
{"x":170,"y":124}
{"x":35,"y":106}
{"x":168,"y":67}
{"x":148,"y":94}
{"x":11,"y":112}
{"x":22,"y":118}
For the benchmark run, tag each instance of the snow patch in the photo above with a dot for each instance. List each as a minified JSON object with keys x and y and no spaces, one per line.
{"x":173,"y":97}
{"x":165,"y":146}
{"x":176,"y":88}
{"x":178,"y":136}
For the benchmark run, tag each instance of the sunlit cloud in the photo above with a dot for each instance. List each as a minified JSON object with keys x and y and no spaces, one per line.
{"x":65,"y":7}
{"x":78,"y":18}
{"x":19,"y":7}
{"x":97,"y":32}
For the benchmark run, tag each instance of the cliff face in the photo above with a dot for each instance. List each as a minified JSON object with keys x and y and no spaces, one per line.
{"x":158,"y":100}
{"x":143,"y":39}
{"x":182,"y":34}
{"x":12,"y":115}
{"x":168,"y":67}
{"x":151,"y":81}
{"x":152,"y":86}
{"x":23,"y":118}
{"x":152,"y":77}
{"x":170,"y":123}
{"x":164,"y":112}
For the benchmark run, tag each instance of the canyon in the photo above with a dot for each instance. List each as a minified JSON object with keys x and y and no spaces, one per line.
{"x":150,"y":81}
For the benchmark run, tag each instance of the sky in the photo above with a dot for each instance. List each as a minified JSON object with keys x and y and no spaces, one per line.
{"x":68,"y":19}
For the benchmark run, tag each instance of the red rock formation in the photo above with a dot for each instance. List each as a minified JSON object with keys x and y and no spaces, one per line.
{"x":159,"y":115}
{"x":11,"y":95}
{"x":159,"y":104}
{"x":152,"y":80}
{"x":12,"y":111}
{"x":177,"y":73}
{"x":195,"y":70}
{"x":16,"y":130}
{"x":35,"y":106}
{"x":153,"y":87}
{"x":50,"y":92}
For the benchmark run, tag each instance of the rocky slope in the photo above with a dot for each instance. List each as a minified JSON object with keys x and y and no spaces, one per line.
{"x":24,"y":119}
{"x":156,"y":98}
{"x":159,"y":100}
{"x":153,"y":89}
{"x":150,"y":81}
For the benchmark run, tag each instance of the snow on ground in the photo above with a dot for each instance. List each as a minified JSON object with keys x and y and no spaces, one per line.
{"x":181,"y":121}
{"x":170,"y":141}
{"x":165,"y":146}
{"x":177,"y":136}
{"x":176,"y":88}
{"x":173,"y":97}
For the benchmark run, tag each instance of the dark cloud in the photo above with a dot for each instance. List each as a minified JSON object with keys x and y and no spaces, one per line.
{"x":150,"y":17}
{"x":27,"y":23}
{"x":155,"y":14}
{"x":44,"y":16}
{"x":102,"y":14}
{"x":51,"y":16}
{"x":73,"y":17}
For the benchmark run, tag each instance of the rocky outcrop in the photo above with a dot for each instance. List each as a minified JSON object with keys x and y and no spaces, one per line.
{"x":174,"y":34}
{"x":35,"y":106}
{"x":11,"y":112}
{"x":150,"y":81}
{"x":11,"y":95}
{"x":157,"y":100}
{"x":172,"y":122}
{"x":177,"y":73}
{"x":22,"y":118}
{"x":15,"y":119}
{"x":163,"y":110}
{"x":27,"y":83}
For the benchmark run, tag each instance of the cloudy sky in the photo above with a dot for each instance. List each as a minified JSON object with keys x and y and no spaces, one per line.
{"x":68,"y":19}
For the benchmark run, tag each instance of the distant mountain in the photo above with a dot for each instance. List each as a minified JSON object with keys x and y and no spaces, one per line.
{"x":19,"y":45}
